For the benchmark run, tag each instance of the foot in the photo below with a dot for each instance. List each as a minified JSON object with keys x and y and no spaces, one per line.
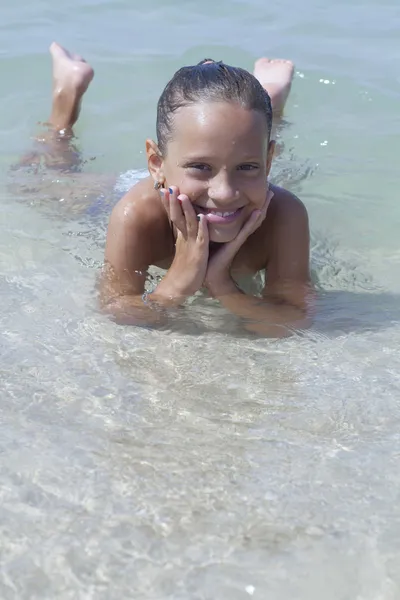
{"x":71,"y":78}
{"x":276,"y":77}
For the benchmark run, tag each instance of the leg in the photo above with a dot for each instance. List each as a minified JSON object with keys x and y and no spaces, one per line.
{"x":276,"y":77}
{"x":71,"y":78}
{"x":52,"y":169}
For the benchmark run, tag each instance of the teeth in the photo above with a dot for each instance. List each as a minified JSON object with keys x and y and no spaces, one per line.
{"x":224,"y":214}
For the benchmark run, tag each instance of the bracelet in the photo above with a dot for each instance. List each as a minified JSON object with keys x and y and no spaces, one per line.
{"x":145,"y":297}
{"x":150,"y":302}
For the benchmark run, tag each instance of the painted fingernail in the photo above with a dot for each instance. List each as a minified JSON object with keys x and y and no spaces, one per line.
{"x":171,"y":191}
{"x":198,"y":217}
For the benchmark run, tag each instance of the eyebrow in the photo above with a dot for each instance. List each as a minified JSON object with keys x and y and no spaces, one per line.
{"x":197,"y":158}
{"x":211,"y":158}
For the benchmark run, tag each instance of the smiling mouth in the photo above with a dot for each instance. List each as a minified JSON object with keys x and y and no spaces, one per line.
{"x":216,"y":216}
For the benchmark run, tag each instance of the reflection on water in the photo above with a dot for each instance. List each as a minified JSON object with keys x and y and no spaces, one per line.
{"x":151,"y":464}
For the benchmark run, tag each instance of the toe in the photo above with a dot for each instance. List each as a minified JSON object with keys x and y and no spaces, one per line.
{"x":78,"y":57}
{"x":56,"y":49}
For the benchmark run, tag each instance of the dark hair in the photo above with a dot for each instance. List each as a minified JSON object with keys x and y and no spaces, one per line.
{"x":209,"y":81}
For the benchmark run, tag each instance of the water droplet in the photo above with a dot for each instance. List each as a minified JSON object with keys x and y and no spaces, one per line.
{"x":250,"y":589}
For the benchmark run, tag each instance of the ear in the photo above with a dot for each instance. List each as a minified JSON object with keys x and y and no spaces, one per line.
{"x":155,"y":162}
{"x":270,"y":155}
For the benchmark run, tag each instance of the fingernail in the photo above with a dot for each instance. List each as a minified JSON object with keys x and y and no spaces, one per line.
{"x":171,"y":191}
{"x":198,"y":217}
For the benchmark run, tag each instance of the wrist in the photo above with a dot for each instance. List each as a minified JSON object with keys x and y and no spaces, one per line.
{"x":222,"y":287}
{"x":170,"y":293}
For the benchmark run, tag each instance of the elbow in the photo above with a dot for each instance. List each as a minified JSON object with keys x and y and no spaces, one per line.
{"x":289,"y":320}
{"x":131,"y":310}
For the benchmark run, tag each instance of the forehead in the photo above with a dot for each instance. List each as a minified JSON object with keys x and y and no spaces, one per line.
{"x":207,"y":126}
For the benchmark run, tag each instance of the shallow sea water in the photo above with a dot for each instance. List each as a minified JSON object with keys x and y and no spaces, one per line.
{"x":196,"y":462}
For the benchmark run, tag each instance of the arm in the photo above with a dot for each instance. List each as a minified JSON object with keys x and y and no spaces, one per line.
{"x":288,"y":296}
{"x":128,"y":255}
{"x":266,"y":316}
{"x":139,"y":235}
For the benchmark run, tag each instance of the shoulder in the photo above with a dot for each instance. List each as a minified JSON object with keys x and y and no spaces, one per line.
{"x":286,"y":208}
{"x":141,"y":211}
{"x":141,"y":205}
{"x":288,"y":237}
{"x":139,"y":220}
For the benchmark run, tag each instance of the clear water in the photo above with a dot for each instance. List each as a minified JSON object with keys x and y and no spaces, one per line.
{"x":197,"y":463}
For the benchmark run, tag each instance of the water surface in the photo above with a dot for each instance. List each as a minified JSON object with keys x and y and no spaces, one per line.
{"x":195,"y":462}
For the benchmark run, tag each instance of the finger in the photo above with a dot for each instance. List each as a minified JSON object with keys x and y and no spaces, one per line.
{"x":256,"y":218}
{"x":189,"y":214}
{"x":176,"y":213}
{"x":165,"y":201}
{"x":230,"y":249}
{"x":202,"y":230}
{"x":264,"y":209}
{"x":270,"y":195}
{"x":252,"y":223}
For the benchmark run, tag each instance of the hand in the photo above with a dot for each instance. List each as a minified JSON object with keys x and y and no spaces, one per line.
{"x":187,"y":272}
{"x":218,"y":279}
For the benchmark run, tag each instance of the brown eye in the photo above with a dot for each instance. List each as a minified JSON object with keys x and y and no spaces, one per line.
{"x":199,"y":167}
{"x":248,"y":167}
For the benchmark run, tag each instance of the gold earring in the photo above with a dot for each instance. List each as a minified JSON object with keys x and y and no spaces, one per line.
{"x":157,"y":185}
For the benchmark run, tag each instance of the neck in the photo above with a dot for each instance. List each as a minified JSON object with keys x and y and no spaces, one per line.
{"x":214,"y":246}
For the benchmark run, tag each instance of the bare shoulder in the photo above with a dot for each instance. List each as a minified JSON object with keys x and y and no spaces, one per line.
{"x":285,"y":207}
{"x":288,"y":237}
{"x":138,"y":224}
{"x":138,"y":235}
{"x":140,"y":207}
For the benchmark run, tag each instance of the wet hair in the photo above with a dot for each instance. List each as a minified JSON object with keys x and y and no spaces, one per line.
{"x":209,"y":81}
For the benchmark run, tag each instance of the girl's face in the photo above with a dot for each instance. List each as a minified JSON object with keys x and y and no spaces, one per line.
{"x":220,"y":158}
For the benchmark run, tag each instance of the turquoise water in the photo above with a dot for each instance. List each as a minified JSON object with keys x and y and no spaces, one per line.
{"x":196,"y":463}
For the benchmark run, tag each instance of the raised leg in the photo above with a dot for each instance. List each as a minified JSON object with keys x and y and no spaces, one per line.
{"x":71,"y":78}
{"x":275,"y":75}
{"x":53,"y":168}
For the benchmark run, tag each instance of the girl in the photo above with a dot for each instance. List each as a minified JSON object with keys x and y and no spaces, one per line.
{"x":206,"y":213}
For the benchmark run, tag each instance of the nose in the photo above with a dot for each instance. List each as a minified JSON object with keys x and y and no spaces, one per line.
{"x":221,"y":188}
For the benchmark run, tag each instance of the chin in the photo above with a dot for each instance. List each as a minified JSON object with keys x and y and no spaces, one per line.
{"x":220,"y":236}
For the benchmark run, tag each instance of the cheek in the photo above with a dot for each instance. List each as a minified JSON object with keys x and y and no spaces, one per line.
{"x":256,"y":191}
{"x":193,"y":188}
